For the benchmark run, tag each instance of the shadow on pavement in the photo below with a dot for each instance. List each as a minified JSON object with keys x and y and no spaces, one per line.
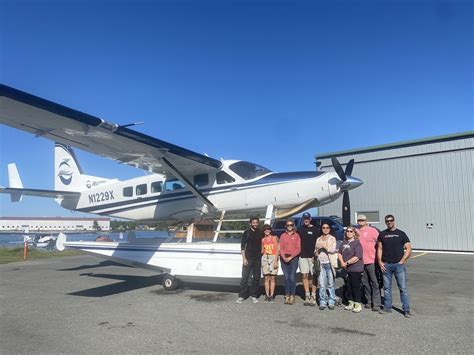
{"x":129,"y":283}
{"x":91,"y":266}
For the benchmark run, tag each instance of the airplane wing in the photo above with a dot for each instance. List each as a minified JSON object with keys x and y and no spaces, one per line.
{"x":16,"y":193}
{"x":58,"y":123}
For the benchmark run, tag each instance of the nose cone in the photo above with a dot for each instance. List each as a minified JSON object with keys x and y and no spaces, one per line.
{"x":351,"y":183}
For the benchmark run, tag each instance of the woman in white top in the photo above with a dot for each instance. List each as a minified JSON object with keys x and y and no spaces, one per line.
{"x":325,"y":246}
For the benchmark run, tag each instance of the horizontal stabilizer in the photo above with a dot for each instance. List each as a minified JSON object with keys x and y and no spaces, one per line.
{"x":37,"y":192}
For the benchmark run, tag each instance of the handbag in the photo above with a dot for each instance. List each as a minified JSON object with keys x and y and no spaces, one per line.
{"x":316,"y":266}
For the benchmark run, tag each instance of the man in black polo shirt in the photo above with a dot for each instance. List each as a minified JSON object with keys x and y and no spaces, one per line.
{"x":393,"y":250}
{"x":308,"y":234}
{"x":251,"y":247}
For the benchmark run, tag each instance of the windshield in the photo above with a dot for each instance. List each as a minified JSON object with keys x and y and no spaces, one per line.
{"x":248,"y":170}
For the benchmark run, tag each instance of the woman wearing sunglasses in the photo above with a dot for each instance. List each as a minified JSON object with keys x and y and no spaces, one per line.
{"x":269,"y":261}
{"x":325,"y":246}
{"x":350,"y":257}
{"x":290,"y":248}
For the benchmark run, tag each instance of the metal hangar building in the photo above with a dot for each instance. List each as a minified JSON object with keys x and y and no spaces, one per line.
{"x":427,"y":184}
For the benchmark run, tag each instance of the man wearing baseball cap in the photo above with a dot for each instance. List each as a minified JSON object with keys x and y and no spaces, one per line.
{"x":368,"y":239}
{"x":308,"y":234}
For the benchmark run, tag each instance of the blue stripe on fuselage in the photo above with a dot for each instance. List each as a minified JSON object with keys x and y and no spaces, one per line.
{"x":273,"y":178}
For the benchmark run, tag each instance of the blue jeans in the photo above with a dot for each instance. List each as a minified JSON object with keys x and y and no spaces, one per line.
{"x":400,"y":273}
{"x":326,"y":282}
{"x":289,"y":270}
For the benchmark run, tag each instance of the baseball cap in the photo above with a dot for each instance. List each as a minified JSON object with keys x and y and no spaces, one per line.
{"x":306,"y":215}
{"x":361,"y":217}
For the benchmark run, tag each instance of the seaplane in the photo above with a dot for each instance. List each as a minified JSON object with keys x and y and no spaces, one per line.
{"x":181,"y":186}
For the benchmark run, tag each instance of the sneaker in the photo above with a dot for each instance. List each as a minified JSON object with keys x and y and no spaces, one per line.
{"x":254,"y":299}
{"x":239,"y":300}
{"x":350,"y":306}
{"x":376,"y":309}
{"x":385,"y":311}
{"x":407,"y":314}
{"x":367,"y":306}
{"x":266,"y":299}
{"x":322,"y":308}
{"x":292,"y":300}
{"x":307,"y":301}
{"x":272,"y":300}
{"x":287,"y":299}
{"x":331,"y":307}
{"x":312,"y":301}
{"x":357,"y":307}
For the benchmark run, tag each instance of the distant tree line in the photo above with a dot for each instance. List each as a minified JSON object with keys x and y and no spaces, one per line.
{"x":133,"y":225}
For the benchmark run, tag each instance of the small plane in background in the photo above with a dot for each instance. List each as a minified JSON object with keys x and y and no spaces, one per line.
{"x":182,"y":186}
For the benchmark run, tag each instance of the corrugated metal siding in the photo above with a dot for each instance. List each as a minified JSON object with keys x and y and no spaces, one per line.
{"x":434,"y":188}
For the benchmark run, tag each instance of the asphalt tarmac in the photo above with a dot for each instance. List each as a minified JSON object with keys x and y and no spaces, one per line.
{"x":85,"y":305}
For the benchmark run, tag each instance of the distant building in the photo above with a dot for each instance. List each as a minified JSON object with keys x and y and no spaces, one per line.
{"x":53,"y":224}
{"x":426,"y":184}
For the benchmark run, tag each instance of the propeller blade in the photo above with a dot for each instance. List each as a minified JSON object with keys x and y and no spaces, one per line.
{"x":346,"y":209}
{"x":338,"y":168}
{"x":349,"y":167}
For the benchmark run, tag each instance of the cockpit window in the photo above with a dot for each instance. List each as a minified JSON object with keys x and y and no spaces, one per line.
{"x":223,"y":178}
{"x":248,"y":170}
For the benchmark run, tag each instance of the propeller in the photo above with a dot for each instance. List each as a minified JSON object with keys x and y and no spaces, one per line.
{"x":345,"y":187}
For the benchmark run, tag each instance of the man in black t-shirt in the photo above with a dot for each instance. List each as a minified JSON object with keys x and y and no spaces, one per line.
{"x":393,"y":250}
{"x":308,"y":234}
{"x":251,"y":247}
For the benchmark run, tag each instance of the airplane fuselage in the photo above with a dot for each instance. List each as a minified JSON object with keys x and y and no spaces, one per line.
{"x":153,"y":197}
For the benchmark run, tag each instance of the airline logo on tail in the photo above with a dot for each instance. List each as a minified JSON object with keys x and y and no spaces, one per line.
{"x":65,"y":172}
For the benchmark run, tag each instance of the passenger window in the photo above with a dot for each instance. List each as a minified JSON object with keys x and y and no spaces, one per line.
{"x":173,"y":185}
{"x":156,"y":186}
{"x":128,"y":191}
{"x":201,"y":180}
{"x":223,"y":178}
{"x":141,"y":189}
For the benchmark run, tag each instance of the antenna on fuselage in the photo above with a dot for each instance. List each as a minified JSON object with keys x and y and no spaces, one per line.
{"x":131,"y":124}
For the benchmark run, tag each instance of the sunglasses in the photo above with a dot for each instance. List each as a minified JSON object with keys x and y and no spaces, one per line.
{"x":349,"y":231}
{"x":290,"y":225}
{"x":326,"y":228}
{"x":389,"y":220}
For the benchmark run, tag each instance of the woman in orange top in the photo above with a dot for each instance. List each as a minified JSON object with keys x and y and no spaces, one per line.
{"x":269,"y":261}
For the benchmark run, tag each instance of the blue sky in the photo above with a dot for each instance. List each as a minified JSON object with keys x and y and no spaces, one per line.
{"x":273,"y":82}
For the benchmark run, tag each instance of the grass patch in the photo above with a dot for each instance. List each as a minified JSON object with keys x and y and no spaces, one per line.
{"x":11,"y":255}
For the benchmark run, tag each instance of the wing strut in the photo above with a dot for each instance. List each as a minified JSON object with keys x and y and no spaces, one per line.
{"x":188,"y":184}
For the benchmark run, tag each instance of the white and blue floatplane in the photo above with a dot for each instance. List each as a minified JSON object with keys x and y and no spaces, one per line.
{"x":183,"y":186}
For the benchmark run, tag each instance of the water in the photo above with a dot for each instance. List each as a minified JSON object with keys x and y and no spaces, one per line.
{"x":14,"y":240}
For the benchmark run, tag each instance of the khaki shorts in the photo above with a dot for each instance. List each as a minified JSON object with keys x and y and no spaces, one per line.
{"x":306,"y":265}
{"x":267,"y":265}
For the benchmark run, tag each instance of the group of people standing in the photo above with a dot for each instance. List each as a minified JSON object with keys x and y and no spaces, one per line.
{"x":362,"y":253}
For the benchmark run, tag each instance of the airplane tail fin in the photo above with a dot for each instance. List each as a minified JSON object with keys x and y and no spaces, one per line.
{"x":68,"y":175}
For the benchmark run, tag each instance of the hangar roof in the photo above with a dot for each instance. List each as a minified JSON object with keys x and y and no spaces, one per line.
{"x":448,"y":137}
